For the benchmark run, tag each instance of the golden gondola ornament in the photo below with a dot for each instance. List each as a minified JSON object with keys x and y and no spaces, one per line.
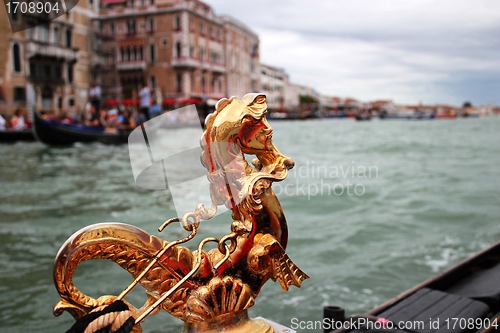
{"x":210,"y":291}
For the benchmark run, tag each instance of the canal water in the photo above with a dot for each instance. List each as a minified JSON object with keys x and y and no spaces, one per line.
{"x":373,"y":209}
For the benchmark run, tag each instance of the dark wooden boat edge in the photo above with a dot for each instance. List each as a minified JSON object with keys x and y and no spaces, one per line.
{"x":12,"y":136}
{"x":61,"y":135}
{"x":455,"y":273}
{"x":478,"y":262}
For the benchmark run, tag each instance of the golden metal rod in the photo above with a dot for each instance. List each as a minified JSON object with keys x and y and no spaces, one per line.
{"x":181,"y":282}
{"x":155,"y":260}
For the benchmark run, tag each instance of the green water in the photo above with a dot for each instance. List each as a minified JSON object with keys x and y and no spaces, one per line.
{"x":373,"y":209}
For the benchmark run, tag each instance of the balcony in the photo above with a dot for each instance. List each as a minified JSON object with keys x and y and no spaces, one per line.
{"x":131,"y":65}
{"x":34,"y":48}
{"x":185,"y":62}
{"x":214,"y":67}
{"x":104,"y":35}
{"x":46,"y":79}
{"x":97,"y":60}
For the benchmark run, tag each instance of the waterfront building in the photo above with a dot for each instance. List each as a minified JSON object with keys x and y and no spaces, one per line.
{"x":180,"y":49}
{"x":242,"y":58}
{"x":45,"y":66}
{"x":273,"y":83}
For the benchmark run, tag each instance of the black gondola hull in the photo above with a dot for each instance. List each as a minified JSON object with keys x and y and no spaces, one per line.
{"x":52,"y":133}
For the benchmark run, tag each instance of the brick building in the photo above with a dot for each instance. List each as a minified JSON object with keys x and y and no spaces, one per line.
{"x":180,"y":49}
{"x":45,"y":66}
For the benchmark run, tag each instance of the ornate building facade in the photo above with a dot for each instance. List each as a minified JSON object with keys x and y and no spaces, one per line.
{"x":45,"y":66}
{"x":180,"y":49}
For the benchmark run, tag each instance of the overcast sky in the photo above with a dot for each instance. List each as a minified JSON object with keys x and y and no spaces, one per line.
{"x":409,"y":51}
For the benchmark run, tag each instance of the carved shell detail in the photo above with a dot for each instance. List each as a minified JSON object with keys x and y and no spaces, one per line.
{"x":219,"y":296}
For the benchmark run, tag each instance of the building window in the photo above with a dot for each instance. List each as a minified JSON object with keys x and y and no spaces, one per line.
{"x":152,"y":81}
{"x":68,"y":38}
{"x":112,"y":27}
{"x":134,"y":54}
{"x":131,"y":26}
{"x":70,"y":73}
{"x":140,"y":53}
{"x":178,"y":82}
{"x":151,"y":24}
{"x":177,"y":22}
{"x":202,"y":53}
{"x":56,"y":38}
{"x":16,"y":53}
{"x":202,"y":29}
{"x":13,"y":16}
{"x":151,"y":2}
{"x":143,"y":3}
{"x":178,"y":49}
{"x":30,"y":30}
{"x":19,"y":94}
{"x":46,"y":97}
{"x":152,"y":55}
{"x":57,"y":72}
{"x":42,"y":32}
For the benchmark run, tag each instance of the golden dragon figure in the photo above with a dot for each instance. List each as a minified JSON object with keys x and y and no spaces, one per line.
{"x":206,"y":289}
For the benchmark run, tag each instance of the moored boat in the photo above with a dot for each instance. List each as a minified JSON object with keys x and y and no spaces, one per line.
{"x":9,"y":135}
{"x":464,"y":298}
{"x":417,"y":115}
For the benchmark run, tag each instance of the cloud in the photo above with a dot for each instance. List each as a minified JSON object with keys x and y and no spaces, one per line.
{"x":405,"y":50}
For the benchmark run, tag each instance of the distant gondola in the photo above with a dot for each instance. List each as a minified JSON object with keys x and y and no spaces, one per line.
{"x":59,"y":134}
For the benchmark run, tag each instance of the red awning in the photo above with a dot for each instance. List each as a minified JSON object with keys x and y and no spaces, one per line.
{"x":190,"y":100}
{"x":130,"y":101}
{"x":111,"y":102}
{"x":169,"y":101}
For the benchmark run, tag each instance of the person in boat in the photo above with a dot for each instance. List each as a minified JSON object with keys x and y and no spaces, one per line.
{"x":155,"y":110}
{"x":112,"y":118}
{"x":139,"y":117}
{"x":4,"y":124}
{"x":18,"y":121}
{"x":125,"y":121}
{"x":145,"y":95}
{"x":98,"y":118}
{"x":95,"y":96}
{"x":65,"y":119}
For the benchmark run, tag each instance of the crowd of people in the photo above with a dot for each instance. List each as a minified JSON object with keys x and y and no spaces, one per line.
{"x":17,"y":122}
{"x":120,"y":117}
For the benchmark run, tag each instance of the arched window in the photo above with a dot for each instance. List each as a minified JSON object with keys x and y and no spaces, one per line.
{"x":16,"y":53}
